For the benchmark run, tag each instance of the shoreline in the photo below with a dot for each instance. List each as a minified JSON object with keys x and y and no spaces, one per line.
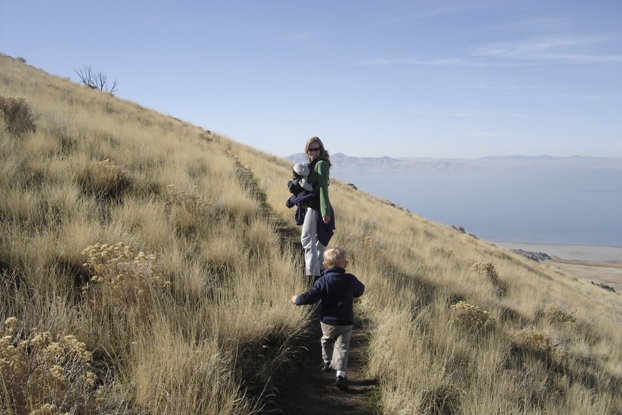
{"x":568,"y":252}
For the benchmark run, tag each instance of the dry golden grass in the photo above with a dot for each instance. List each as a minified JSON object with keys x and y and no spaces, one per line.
{"x":98,"y":182}
{"x":456,"y":325}
{"x":459,"y":326}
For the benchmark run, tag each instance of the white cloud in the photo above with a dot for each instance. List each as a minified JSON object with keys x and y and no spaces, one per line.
{"x":429,"y":9}
{"x":462,"y":62}
{"x":533,"y":25}
{"x":286,"y":35}
{"x":296,"y":36}
{"x":561,"y":49}
{"x":507,"y":87}
{"x":435,"y":62}
{"x":459,"y":112}
{"x":375,"y":62}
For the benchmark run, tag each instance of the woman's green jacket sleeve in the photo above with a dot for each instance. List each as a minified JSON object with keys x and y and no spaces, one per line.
{"x":322,"y":177}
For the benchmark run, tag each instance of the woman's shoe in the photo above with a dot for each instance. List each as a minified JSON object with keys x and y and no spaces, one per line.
{"x":342,"y":383}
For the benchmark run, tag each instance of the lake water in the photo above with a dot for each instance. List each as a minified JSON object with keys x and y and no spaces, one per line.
{"x":572,"y":207}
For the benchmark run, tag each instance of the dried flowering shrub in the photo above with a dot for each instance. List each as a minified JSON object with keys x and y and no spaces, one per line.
{"x":487,"y":269}
{"x":556,"y":314}
{"x":471,"y":316}
{"x":533,"y":340}
{"x":121,"y":276}
{"x":41,"y":375}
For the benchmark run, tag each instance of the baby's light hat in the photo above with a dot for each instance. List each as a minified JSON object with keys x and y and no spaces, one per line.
{"x":301,"y":169}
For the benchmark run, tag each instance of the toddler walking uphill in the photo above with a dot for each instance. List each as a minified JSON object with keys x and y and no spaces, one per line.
{"x":336,"y":289}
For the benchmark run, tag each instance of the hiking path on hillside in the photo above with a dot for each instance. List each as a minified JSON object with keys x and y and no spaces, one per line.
{"x":303,"y":388}
{"x":306,"y":390}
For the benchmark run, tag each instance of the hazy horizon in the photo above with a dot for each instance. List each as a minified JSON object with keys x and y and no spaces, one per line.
{"x":507,"y":156}
{"x":345,"y":162}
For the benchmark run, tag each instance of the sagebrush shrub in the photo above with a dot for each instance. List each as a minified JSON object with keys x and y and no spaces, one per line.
{"x":534,"y":340}
{"x":556,"y":315}
{"x":17,"y":115}
{"x":487,"y":269}
{"x":121,"y":277}
{"x":106,"y":179}
{"x":41,"y":374}
{"x":471,"y":316}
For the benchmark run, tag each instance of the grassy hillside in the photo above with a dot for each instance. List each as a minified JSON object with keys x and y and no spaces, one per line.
{"x":144,"y":270}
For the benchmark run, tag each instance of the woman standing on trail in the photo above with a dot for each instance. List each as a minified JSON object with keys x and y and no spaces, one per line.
{"x":319,"y":221}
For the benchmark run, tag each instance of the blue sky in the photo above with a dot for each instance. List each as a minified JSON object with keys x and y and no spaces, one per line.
{"x":455,"y":78}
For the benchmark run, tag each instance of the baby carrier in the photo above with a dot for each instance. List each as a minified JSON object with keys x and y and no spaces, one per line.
{"x":299,"y":182}
{"x":300,"y":188}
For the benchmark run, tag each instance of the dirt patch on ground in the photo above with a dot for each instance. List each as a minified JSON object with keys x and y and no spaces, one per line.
{"x":606,"y":273}
{"x":305,"y":390}
{"x":601,"y":265}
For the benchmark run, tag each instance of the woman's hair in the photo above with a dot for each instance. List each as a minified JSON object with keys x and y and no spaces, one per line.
{"x":323,"y":153}
{"x":335,"y":257}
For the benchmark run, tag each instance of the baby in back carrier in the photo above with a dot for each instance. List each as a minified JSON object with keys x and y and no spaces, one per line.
{"x":299,"y":182}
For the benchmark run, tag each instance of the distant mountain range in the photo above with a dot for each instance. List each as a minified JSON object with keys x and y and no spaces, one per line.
{"x":344,"y":163}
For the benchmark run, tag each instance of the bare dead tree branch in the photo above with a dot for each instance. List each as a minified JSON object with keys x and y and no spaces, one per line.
{"x":95,"y":80}
{"x":113,"y":87}
{"x":86,"y":76}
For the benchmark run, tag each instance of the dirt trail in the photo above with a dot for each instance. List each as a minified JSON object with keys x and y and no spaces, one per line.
{"x":306,"y":390}
{"x":302,"y":388}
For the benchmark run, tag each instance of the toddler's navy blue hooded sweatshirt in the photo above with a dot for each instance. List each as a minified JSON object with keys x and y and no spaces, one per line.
{"x":337,"y":290}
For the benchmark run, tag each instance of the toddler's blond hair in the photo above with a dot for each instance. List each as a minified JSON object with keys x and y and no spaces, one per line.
{"x":335,"y":257}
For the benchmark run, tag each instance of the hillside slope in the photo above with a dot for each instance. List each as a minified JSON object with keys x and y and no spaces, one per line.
{"x":185,"y":308}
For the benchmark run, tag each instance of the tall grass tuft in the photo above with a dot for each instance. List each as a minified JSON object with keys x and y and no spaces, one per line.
{"x":106,"y":180}
{"x":17,"y":115}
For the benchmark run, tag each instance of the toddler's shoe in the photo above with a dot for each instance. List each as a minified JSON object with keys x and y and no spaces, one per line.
{"x":342,"y":383}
